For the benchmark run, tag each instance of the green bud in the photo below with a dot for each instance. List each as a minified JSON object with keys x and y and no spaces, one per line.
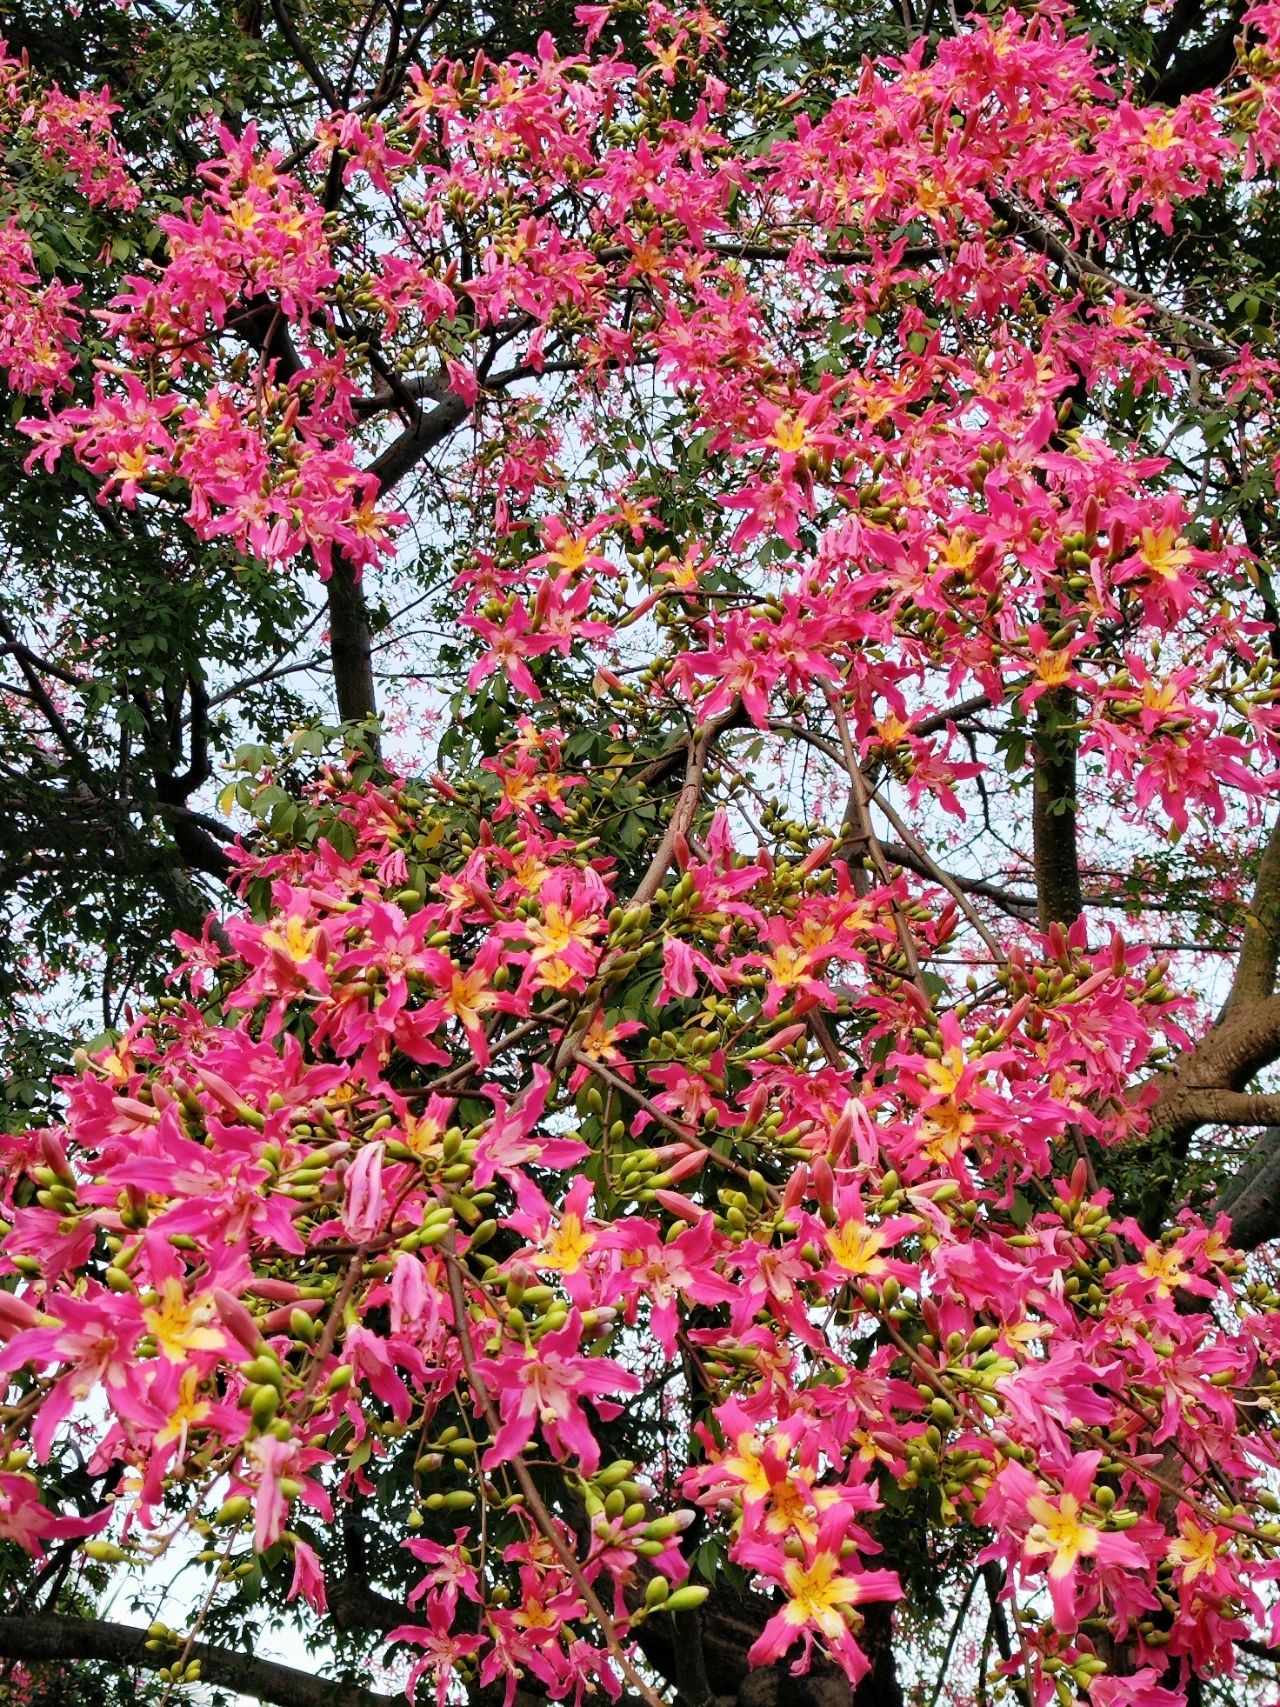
{"x":686,"y":1599}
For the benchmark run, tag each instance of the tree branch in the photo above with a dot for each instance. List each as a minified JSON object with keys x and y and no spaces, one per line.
{"x":1053,"y":811}
{"x":50,"y":1637}
{"x":1251,"y":1198}
{"x":1225,"y":1060}
{"x":1255,"y":976}
{"x":350,"y":637}
{"x":423,"y":435}
{"x":1201,"y":67}
{"x":1209,"y":1107}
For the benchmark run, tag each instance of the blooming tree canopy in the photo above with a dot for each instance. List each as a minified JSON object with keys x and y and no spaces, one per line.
{"x":722,"y":1152}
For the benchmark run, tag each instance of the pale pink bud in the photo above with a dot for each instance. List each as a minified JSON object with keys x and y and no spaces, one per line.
{"x":408,"y":1292}
{"x":676,"y":1203}
{"x":362,"y":1211}
{"x":278,"y":1291}
{"x":237,"y":1320}
{"x":690,"y":1163}
{"x":15,"y":1315}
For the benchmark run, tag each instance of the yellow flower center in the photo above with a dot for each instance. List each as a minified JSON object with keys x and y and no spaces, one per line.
{"x":958,"y":550}
{"x":948,"y":1072}
{"x":1053,"y":667}
{"x":1196,"y":1549}
{"x":568,"y":1245}
{"x":1059,"y":1530}
{"x":422,"y":1136}
{"x":817,"y":1591}
{"x":571,"y":553}
{"x":788,"y":966}
{"x":1165,"y":1266}
{"x":556,"y":931}
{"x":1164,"y":552}
{"x":746,"y":1465}
{"x":188,"y":1412}
{"x":177,"y":1323}
{"x":555,"y":974}
{"x":854,"y":1248}
{"x":1160,"y":135}
{"x":788,"y":434}
{"x":468,"y":998}
{"x":296,"y":941}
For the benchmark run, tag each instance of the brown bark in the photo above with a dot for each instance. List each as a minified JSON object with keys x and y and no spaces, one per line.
{"x":50,"y":1638}
{"x":1053,"y":811}
{"x":350,"y":646}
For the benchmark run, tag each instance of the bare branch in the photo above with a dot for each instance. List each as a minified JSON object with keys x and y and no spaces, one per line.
{"x":52,"y":1637}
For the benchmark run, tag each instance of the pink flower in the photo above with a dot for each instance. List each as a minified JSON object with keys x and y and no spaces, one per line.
{"x":542,"y":1385}
{"x":1062,"y":1535}
{"x":308,"y":1577}
{"x":820,"y":1590}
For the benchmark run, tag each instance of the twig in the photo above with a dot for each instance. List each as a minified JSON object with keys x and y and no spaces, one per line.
{"x":860,"y":801}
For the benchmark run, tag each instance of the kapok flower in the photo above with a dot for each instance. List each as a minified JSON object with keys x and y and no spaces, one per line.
{"x":821,"y":1600}
{"x":1061,"y":1531}
{"x":858,"y":1249}
{"x":562,"y":1245}
{"x":544,"y":1384}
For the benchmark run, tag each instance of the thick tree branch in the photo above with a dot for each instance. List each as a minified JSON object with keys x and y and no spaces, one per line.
{"x":681,"y":818}
{"x":428,"y":430}
{"x":350,"y":636}
{"x":1251,"y":1199}
{"x":49,"y":1637}
{"x":1199,"y":68}
{"x":1223,"y":1061}
{"x":1206,"y":1087}
{"x":1209,"y":1107}
{"x":350,"y":645}
{"x":1053,"y":811}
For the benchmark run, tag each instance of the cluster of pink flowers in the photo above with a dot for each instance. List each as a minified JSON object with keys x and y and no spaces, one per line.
{"x":38,"y":321}
{"x":207,"y":1153}
{"x":399,"y":1147}
{"x":73,"y":134}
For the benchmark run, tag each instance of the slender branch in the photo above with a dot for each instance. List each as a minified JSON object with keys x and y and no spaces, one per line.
{"x":541,"y":1516}
{"x":1211,"y":343}
{"x":657,"y":769}
{"x":306,"y":59}
{"x":923,"y":726}
{"x":624,"y":1089}
{"x":44,"y":700}
{"x":938,"y":875}
{"x":1017,"y":906}
{"x":860,"y":804}
{"x":1202,"y":67}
